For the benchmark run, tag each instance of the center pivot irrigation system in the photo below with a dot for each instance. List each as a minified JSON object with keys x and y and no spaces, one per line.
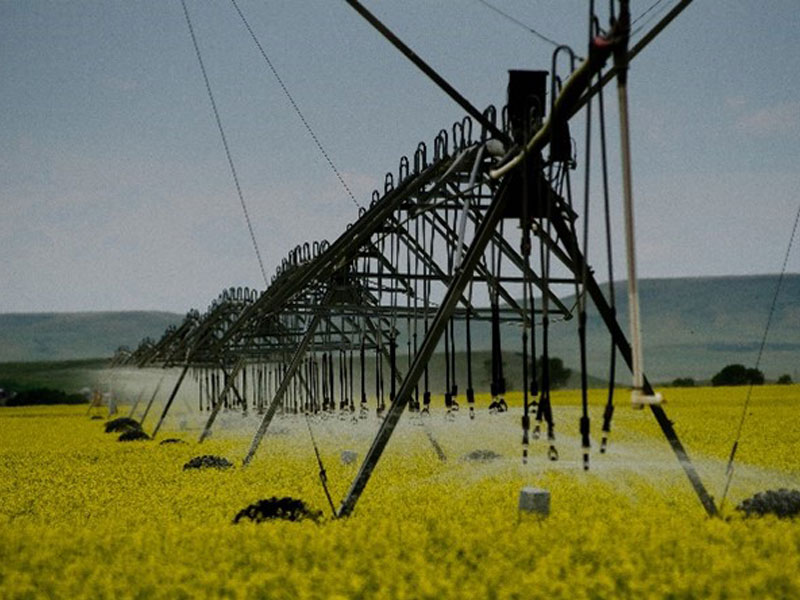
{"x":489,"y":203}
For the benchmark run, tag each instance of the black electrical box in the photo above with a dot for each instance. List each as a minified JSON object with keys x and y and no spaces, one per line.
{"x":527,"y":95}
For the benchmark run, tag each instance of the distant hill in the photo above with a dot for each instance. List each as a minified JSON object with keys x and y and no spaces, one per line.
{"x":692,"y":327}
{"x":70,"y":336}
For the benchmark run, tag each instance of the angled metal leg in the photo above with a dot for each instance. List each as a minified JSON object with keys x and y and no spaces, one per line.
{"x":150,"y":402}
{"x":624,"y":348}
{"x":171,"y":399}
{"x":440,"y":454}
{"x":136,"y":404}
{"x":297,"y":358}
{"x":462,"y":277}
{"x":215,"y":411}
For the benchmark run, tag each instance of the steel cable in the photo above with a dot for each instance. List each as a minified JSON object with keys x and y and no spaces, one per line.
{"x":729,"y":468}
{"x":516,"y":21}
{"x":225,"y":143}
{"x":296,"y":108}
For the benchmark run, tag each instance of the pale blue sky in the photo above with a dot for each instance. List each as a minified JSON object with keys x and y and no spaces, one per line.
{"x":115,"y":192}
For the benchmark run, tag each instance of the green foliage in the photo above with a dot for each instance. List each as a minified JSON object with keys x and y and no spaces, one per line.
{"x":683,"y":382}
{"x":487,"y":368}
{"x":738,"y":375}
{"x":559,"y":374}
{"x":785,"y":379}
{"x":45,"y":396}
{"x":69,"y":375}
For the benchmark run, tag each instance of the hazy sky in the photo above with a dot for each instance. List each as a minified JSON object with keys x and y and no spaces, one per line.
{"x":115,"y":192}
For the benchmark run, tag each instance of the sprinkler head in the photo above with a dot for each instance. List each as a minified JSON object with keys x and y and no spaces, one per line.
{"x":552,"y":453}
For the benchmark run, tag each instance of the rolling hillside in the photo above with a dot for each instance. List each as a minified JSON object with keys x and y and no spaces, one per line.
{"x":692,"y":328}
{"x":70,"y":336}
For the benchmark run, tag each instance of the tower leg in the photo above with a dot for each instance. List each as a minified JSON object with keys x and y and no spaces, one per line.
{"x":294,"y":365}
{"x":461,"y":278}
{"x":621,"y":342}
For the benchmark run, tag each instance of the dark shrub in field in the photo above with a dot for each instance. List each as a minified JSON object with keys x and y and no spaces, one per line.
{"x":738,"y":375}
{"x":290,"y":509}
{"x":171,"y":441}
{"x":208,"y":461}
{"x":783,"y":503}
{"x":45,"y":396}
{"x":133,"y":435}
{"x":122,"y":424}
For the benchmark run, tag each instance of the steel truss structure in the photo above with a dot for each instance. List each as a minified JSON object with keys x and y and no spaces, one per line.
{"x":487,"y":207}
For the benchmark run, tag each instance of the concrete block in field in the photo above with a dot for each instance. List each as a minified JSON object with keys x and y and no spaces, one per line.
{"x":534,"y":501}
{"x":348,"y":457}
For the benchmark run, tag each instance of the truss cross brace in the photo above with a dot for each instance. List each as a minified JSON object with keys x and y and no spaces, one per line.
{"x":297,"y":358}
{"x":150,"y":402}
{"x":230,"y":378}
{"x":460,"y":280}
{"x":171,"y":397}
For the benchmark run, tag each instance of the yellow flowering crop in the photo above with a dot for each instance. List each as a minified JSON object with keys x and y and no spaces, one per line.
{"x":82,"y":515}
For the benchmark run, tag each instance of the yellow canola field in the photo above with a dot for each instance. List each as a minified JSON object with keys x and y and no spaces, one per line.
{"x":82,"y":515}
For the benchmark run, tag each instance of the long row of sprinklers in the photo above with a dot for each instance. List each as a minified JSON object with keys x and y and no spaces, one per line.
{"x":234,"y":300}
{"x":303,"y":253}
{"x":334,"y":372}
{"x":210,"y":370}
{"x":404,"y":273}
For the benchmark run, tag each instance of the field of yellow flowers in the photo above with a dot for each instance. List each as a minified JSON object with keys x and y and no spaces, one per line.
{"x":83,"y":515}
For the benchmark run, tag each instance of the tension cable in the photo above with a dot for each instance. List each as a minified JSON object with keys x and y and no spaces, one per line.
{"x":528,"y":28}
{"x":323,"y":475}
{"x":296,"y":108}
{"x":729,"y":469}
{"x":225,"y":143}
